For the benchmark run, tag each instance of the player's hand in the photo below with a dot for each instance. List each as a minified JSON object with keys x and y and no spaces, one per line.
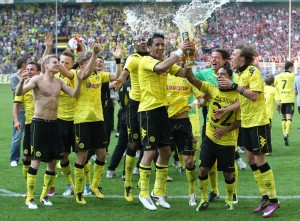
{"x":96,"y":48}
{"x":48,"y":40}
{"x":224,"y":83}
{"x":218,"y":134}
{"x":117,"y":84}
{"x":18,"y":126}
{"x":219,"y":113}
{"x":25,"y":75}
{"x":118,"y":51}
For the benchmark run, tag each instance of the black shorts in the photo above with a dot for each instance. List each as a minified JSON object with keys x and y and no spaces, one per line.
{"x":155,"y":128}
{"x":182,"y":135}
{"x":287,"y":108}
{"x":66,"y":135}
{"x":210,"y":152}
{"x":133,"y":127}
{"x":256,"y":139}
{"x":26,"y":141}
{"x":90,"y":135}
{"x":45,"y":145}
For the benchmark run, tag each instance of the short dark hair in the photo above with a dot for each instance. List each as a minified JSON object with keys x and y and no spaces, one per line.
{"x":269,"y":79}
{"x":248,"y":52}
{"x":20,"y":62}
{"x":38,"y":66}
{"x":155,"y":35}
{"x":228,"y":70}
{"x":288,"y":65}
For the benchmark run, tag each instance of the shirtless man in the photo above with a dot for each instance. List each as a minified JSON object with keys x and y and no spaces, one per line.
{"x":45,"y":146}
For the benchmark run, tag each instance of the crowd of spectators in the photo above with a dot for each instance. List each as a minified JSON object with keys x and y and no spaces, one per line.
{"x":24,"y":28}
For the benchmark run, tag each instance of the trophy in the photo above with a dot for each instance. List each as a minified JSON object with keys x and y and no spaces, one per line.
{"x":190,"y":53}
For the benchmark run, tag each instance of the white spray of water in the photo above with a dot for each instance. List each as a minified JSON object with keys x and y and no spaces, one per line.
{"x":195,"y":13}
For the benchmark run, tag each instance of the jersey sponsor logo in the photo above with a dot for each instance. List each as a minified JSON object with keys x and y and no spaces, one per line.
{"x":177,"y":88}
{"x":89,"y":85}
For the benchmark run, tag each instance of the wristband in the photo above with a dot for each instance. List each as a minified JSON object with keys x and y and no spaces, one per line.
{"x":234,"y":86}
{"x":242,"y":90}
{"x":179,"y":52}
{"x":118,"y":60}
{"x":196,"y":102}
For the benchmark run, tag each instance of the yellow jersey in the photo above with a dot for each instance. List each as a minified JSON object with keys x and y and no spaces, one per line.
{"x":65,"y":102}
{"x":253,"y":113}
{"x":179,"y":91}
{"x":132,"y":65}
{"x":88,"y":107}
{"x":153,"y":85}
{"x":221,"y":99}
{"x":284,"y":82}
{"x":271,"y":96}
{"x":28,"y":104}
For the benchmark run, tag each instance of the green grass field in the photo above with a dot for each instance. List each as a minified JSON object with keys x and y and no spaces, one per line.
{"x":284,"y":162}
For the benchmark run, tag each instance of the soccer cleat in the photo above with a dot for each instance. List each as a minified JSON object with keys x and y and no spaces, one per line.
{"x":128,"y":194}
{"x":51,"y":191}
{"x":229,"y":205}
{"x":136,"y":171}
{"x":160,"y":200}
{"x":213,"y":196}
{"x":240,"y":149}
{"x":182,"y":170}
{"x":192,"y":200}
{"x":147,"y":203}
{"x":69,"y":190}
{"x":79,"y":199}
{"x":111,"y":174}
{"x":31,"y":204}
{"x":98,"y":192}
{"x":241,"y":163}
{"x":286,"y":140}
{"x":271,"y":208}
{"x":45,"y":201}
{"x":14,"y":163}
{"x":263,"y":204}
{"x":87,"y":190}
{"x":176,"y":164}
{"x":235,"y":199}
{"x":169,"y":178}
{"x":202,"y":206}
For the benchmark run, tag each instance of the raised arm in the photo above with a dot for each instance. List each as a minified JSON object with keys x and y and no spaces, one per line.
{"x":117,"y":54}
{"x":68,"y":90}
{"x":49,"y":44}
{"x":65,"y":72}
{"x":89,"y":68}
{"x":22,"y":89}
{"x":121,"y":79}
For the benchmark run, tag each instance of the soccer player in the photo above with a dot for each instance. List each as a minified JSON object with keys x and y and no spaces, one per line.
{"x":221,"y":138}
{"x":89,"y":124}
{"x":179,"y":91}
{"x":297,"y":90}
{"x":255,"y":129}
{"x":271,"y":97}
{"x":134,"y":139}
{"x":154,"y":122}
{"x":284,"y":82}
{"x":44,"y":130}
{"x":219,"y":58}
{"x":65,"y":114}
{"x":17,"y":135}
{"x":26,"y":100}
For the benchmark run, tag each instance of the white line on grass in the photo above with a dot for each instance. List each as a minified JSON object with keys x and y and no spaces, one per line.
{"x":7,"y":193}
